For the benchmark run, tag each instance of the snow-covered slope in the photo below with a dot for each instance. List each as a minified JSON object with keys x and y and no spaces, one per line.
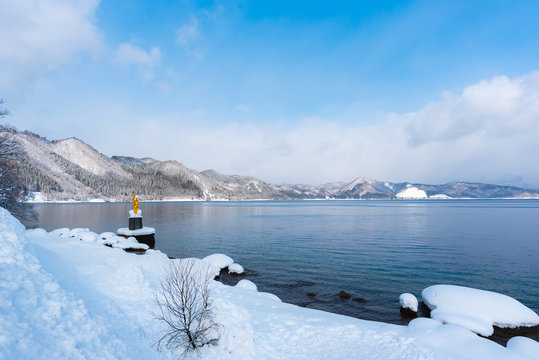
{"x":86,"y":157}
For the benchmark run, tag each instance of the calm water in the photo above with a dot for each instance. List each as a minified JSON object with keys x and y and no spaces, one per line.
{"x":375,"y":250}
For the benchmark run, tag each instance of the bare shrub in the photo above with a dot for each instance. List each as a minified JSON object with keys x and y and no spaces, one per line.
{"x":184,"y":305}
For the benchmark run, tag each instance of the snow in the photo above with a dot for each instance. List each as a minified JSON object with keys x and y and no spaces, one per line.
{"x":137,"y":215}
{"x":110,"y":241}
{"x":235,"y":268}
{"x":246,"y":284}
{"x":76,"y":231}
{"x":408,"y":301}
{"x":440,"y":197}
{"x":129,"y":243}
{"x":107,"y":235}
{"x":144,"y":231}
{"x":64,"y":232}
{"x":88,"y":236}
{"x":476,"y":310}
{"x":218,"y":262}
{"x":61,"y":298}
{"x":412,"y":193}
{"x":525,"y":346}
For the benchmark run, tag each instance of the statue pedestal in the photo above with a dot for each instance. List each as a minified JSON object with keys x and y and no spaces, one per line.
{"x":144,"y":235}
{"x":135,"y":223}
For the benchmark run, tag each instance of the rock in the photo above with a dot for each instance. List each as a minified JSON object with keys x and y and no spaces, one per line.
{"x":311,"y":294}
{"x":406,"y":312}
{"x":344,"y":295}
{"x":360,"y":299}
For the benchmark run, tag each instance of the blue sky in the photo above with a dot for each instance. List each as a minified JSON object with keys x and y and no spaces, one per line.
{"x":291,"y":91}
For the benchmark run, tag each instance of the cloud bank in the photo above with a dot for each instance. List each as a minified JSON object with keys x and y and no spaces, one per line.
{"x":489,"y":133}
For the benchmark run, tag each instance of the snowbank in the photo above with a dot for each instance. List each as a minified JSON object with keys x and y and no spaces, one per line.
{"x":412,"y":193}
{"x":62,"y":298}
{"x":476,"y":310}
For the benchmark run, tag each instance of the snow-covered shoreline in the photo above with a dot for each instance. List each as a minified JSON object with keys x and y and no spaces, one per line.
{"x":254,"y":200}
{"x":66,"y":298}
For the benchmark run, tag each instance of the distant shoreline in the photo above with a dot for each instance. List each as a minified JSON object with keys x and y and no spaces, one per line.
{"x":100,"y":201}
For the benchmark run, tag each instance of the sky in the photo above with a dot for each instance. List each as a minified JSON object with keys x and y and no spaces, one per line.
{"x":287,"y":91}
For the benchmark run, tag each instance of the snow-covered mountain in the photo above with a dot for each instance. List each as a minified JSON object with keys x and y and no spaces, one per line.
{"x":71,"y":169}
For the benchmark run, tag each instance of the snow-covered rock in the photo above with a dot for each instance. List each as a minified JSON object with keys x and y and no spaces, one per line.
{"x":246,"y":284}
{"x":146,"y":230}
{"x":129,"y":243}
{"x":88,"y":236}
{"x":76,"y":231}
{"x":107,"y":235}
{"x":63,"y":232}
{"x":412,"y":193}
{"x":476,"y":310}
{"x":408,"y":301}
{"x":218,"y":262}
{"x":235,"y":268}
{"x":113,"y":240}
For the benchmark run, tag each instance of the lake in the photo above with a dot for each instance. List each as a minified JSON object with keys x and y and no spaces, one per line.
{"x":374,"y":250}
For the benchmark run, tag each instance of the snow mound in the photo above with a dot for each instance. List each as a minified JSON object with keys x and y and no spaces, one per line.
{"x":235,"y":268}
{"x":63,"y":232}
{"x":408,"y":301}
{"x":107,"y":235}
{"x":88,"y":236}
{"x":412,"y":193}
{"x":246,"y":284}
{"x":524,"y":346}
{"x":113,"y":240}
{"x":476,"y":310}
{"x":76,"y":231}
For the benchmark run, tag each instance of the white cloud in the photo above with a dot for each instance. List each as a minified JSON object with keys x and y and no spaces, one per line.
{"x":146,"y":61}
{"x":41,"y":36}
{"x":187,"y":33}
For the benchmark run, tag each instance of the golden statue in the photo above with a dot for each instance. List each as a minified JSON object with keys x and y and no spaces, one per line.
{"x":135,"y":203}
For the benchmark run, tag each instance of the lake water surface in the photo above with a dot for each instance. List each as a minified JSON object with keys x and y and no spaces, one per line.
{"x":375,"y":250}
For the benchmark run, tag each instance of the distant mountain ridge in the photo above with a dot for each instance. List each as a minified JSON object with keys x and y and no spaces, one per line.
{"x":70,"y":169}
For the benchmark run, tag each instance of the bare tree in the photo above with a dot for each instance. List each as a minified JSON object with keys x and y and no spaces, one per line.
{"x":185,"y":306}
{"x":11,"y":187}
